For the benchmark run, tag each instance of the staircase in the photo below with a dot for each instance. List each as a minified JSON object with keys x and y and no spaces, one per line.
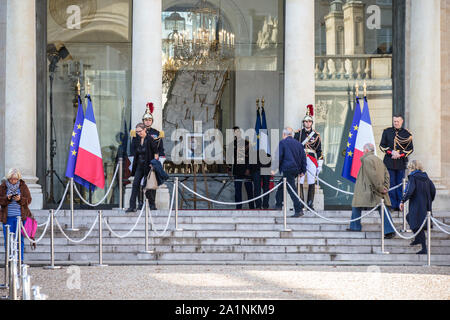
{"x":234,"y":237}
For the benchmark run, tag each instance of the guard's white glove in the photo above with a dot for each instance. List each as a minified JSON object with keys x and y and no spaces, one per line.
{"x":319,"y":168}
{"x":162,"y":159}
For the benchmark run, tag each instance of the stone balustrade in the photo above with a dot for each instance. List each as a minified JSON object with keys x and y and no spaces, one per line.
{"x":348,"y":67}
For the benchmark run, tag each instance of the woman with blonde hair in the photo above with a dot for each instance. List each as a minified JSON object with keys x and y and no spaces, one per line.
{"x":420,"y":192}
{"x":15,"y":198}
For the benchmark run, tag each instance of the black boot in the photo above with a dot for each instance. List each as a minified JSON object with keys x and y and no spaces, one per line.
{"x":302,"y":196}
{"x":311,"y":190}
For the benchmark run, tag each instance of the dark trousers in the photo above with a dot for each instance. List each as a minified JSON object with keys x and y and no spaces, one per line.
{"x":238,"y":191}
{"x":265,"y":188}
{"x":356,"y":225}
{"x":256,"y":179}
{"x":396,"y":177}
{"x":290,"y":179}
{"x":151,"y":196}
{"x":420,"y":238}
{"x":136,"y":189}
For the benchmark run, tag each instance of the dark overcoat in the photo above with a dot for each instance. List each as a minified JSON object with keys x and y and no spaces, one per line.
{"x":420,"y":192}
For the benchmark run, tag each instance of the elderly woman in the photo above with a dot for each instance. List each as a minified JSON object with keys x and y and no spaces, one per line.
{"x":420,"y":192}
{"x":14,"y":200}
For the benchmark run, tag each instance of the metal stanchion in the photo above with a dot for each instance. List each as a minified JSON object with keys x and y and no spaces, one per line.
{"x":52,"y":243}
{"x":382,"y":227}
{"x":72,"y":228}
{"x":176,"y":206}
{"x":429,"y":237}
{"x":120,"y":183}
{"x":7,"y":249}
{"x":147,"y":250}
{"x":100,"y":241}
{"x":19,"y":243}
{"x":285,"y":205}
{"x":26,"y":283}
{"x":13,"y":269}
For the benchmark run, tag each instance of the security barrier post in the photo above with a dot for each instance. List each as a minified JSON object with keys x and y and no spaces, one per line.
{"x":72,"y":228}
{"x":176,"y":206}
{"x":429,"y":237}
{"x":26,"y":283}
{"x":383,"y":210}
{"x":52,"y":243}
{"x":285,"y":204}
{"x":19,"y":244}
{"x":7,"y":249}
{"x":120,"y":183}
{"x":13,"y":269}
{"x":100,"y":240}
{"x":147,"y":250}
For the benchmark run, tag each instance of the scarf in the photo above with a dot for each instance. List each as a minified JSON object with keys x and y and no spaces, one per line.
{"x":12,"y":189}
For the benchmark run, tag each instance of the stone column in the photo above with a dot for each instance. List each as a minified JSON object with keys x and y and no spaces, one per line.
{"x":20,"y":94}
{"x":354,"y":27}
{"x":147,"y":71}
{"x":334,"y":22}
{"x":147,"y":60}
{"x":425,"y":84}
{"x":299,"y":82}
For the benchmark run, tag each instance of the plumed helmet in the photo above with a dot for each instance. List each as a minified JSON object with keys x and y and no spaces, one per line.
{"x":148,"y":112}
{"x":309,"y":113}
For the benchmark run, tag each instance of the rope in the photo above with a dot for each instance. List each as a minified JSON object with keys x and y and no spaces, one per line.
{"x":129,"y":232}
{"x":106,"y":195}
{"x":325,"y":218}
{"x":230,"y":203}
{"x":401,"y":236}
{"x":77,"y":241}
{"x":438,"y":223}
{"x":348,"y":192}
{"x":60,"y":204}
{"x":168,"y":219}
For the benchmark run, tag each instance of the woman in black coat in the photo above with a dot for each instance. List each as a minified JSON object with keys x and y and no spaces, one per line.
{"x":144,"y":151}
{"x":420,"y":192}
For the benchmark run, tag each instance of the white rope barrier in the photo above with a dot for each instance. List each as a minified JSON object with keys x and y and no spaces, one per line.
{"x":105,"y":196}
{"x":77,"y":241}
{"x":129,"y":232}
{"x":398,"y":233}
{"x":59,"y":206}
{"x":439,"y":223}
{"x":325,"y":218}
{"x":347,"y":192}
{"x":231,"y":203}
{"x":168,"y":218}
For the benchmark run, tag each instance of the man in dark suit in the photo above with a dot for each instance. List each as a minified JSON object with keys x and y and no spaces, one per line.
{"x":291,"y":161}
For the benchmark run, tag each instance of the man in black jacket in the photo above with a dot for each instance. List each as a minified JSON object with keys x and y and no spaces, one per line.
{"x":397,"y":144}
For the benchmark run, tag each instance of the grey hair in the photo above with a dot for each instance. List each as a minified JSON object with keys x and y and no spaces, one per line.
{"x":369,"y":146}
{"x":287,"y":131}
{"x":14,"y":172}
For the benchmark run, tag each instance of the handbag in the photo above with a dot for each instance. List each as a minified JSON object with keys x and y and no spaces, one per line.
{"x":152,"y":183}
{"x":30,"y":227}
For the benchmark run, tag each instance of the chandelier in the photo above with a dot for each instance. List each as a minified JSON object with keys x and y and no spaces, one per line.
{"x":203,"y":34}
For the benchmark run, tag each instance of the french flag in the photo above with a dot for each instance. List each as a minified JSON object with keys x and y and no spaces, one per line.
{"x":365,"y":135}
{"x":89,"y":162}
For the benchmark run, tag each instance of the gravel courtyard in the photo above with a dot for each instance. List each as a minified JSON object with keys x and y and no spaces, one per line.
{"x":243,"y":282}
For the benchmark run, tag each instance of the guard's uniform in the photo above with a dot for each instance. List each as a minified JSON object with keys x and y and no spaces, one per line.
{"x":158,"y":137}
{"x":400,"y":140}
{"x":314,"y":158}
{"x":313,"y":150}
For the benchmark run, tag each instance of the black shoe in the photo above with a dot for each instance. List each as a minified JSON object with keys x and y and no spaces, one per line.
{"x":130,"y":210}
{"x":389,"y":235}
{"x":423,"y":251}
{"x":278,"y":207}
{"x":348,"y":229}
{"x":140,"y":206}
{"x":153,"y":207}
{"x":414,"y":243}
{"x":298,"y":214}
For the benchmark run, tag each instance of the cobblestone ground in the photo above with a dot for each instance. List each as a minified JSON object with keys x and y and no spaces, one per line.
{"x":243,"y":282}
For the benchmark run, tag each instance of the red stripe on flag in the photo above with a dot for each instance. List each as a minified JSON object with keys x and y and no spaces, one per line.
{"x":356,"y":164}
{"x":90,"y":168}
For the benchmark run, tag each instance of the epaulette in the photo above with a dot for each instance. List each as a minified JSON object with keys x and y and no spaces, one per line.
{"x":133,"y":133}
{"x":161,"y":134}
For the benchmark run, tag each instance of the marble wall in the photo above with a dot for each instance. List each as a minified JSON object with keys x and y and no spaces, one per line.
{"x":2,"y":84}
